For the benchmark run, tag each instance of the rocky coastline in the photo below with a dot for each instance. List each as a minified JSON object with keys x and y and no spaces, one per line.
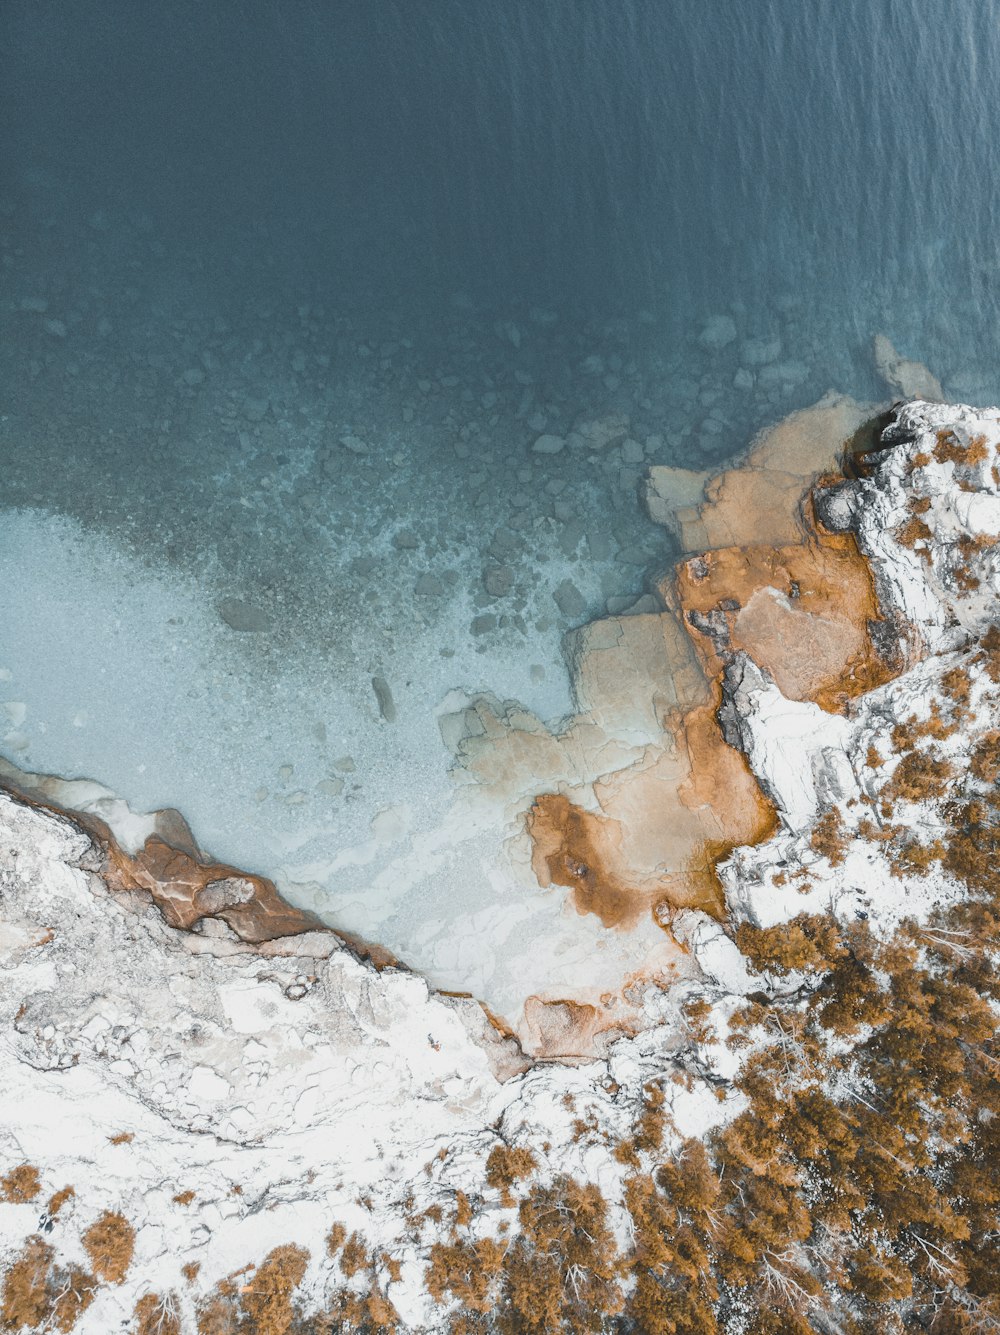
{"x":283,"y":1116}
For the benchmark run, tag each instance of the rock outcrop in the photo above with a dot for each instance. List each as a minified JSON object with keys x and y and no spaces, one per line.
{"x":631,"y":803}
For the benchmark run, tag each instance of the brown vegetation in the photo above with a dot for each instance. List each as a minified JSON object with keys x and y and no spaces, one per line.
{"x":76,"y":1290}
{"x":263,"y":1304}
{"x":917,"y":778}
{"x":57,"y":1200}
{"x":913,"y":531}
{"x":267,"y":1300}
{"x":21,"y":1185}
{"x":989,"y":656}
{"x":957,"y":685}
{"x":506,"y":1165}
{"x":38,"y":1294}
{"x":354,"y":1256}
{"x":829,"y":838}
{"x":157,"y":1314}
{"x":110,"y":1242}
{"x":25,"y":1301}
{"x":561,"y":1269}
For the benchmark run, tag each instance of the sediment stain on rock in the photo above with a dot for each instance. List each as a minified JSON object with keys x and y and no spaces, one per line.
{"x":559,"y":1028}
{"x":567,"y":851}
{"x":803,"y":612}
{"x":768,"y":580}
{"x":162,"y":859}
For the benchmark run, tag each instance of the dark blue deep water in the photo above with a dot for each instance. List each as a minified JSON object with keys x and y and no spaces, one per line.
{"x":603,"y":155}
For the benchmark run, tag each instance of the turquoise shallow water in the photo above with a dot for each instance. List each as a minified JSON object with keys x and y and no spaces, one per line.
{"x":290,"y":291}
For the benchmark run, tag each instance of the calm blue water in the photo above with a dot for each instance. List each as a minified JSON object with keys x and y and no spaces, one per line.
{"x":599,"y":154}
{"x":290,"y":288}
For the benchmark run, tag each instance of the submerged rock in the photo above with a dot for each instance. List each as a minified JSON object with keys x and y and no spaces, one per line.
{"x":718,"y":333}
{"x":383,"y":696}
{"x":242,"y":616}
{"x":909,"y":378}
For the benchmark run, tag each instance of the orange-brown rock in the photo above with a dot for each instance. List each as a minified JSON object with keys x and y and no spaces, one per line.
{"x":649,"y":830}
{"x":562,"y":1028}
{"x":801,"y":612}
{"x":758,"y":502}
{"x":185,"y":885}
{"x":570,"y":849}
{"x":186,"y":890}
{"x":731,"y":807}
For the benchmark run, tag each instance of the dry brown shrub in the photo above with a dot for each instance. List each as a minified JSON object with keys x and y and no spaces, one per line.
{"x":562,"y":1271}
{"x":920,"y":460}
{"x":874,"y":759}
{"x":648,"y":1134}
{"x":184,"y":1197}
{"x":335,"y":1239}
{"x":913,"y":531}
{"x":917,"y":859}
{"x":190,"y":1270}
{"x":74,"y":1290}
{"x":878,"y":834}
{"x":829,"y":838}
{"x":906,"y":735}
{"x":463,"y":1210}
{"x":949,"y":449}
{"x":902,"y":735}
{"x":506,"y":1165}
{"x":919,"y":777}
{"x":990,"y":655}
{"x":936,"y":725}
{"x":354,"y":1257}
{"x":24,"y":1298}
{"x":122,"y":1138}
{"x":985,"y":761}
{"x":957,"y":685}
{"x":468,"y":1271}
{"x":217,"y":1316}
{"x":968,"y":548}
{"x":371,"y":1313}
{"x":157,"y":1315}
{"x":976,"y":451}
{"x":809,"y":941}
{"x":58,"y":1199}
{"x":110,"y":1242}
{"x":20,"y":1185}
{"x":266,"y":1301}
{"x":378,"y":1314}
